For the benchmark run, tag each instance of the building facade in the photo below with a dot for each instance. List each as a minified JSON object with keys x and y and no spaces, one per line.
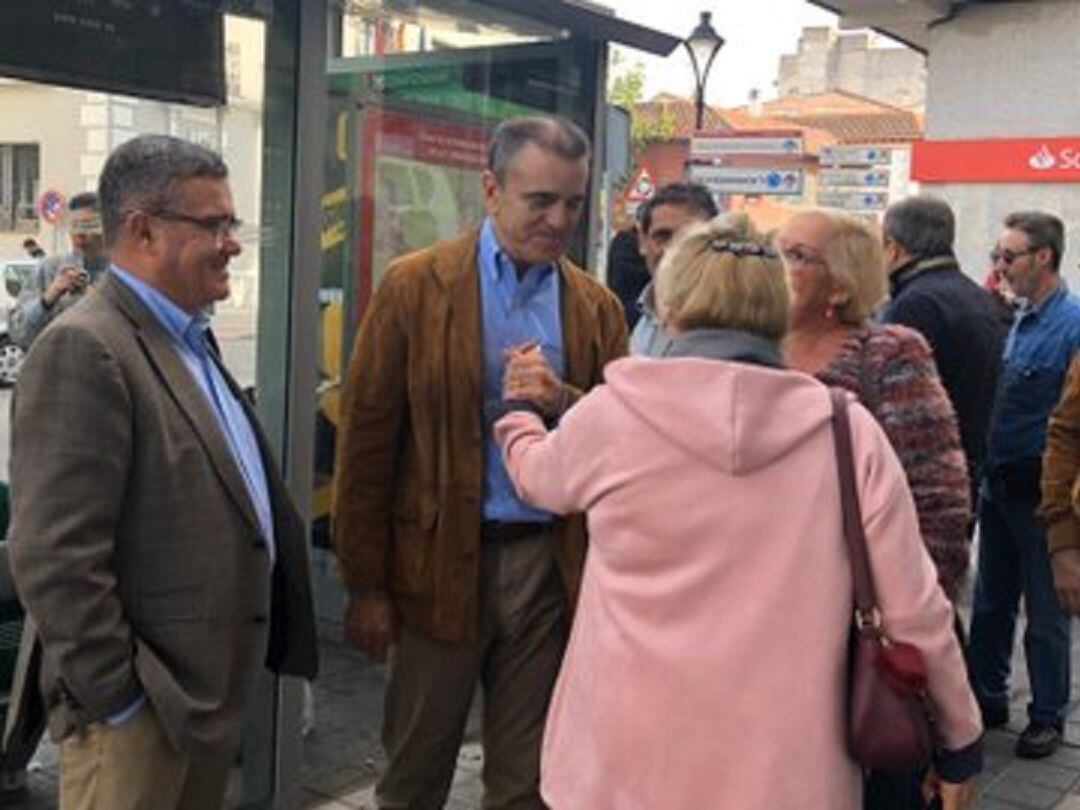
{"x":84,"y":126}
{"x":860,"y":63}
{"x":1002,"y":110}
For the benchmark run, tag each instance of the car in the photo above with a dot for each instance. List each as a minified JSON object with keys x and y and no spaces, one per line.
{"x":16,"y":273}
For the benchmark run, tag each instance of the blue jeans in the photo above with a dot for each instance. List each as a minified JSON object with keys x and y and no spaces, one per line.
{"x":1013,"y":560}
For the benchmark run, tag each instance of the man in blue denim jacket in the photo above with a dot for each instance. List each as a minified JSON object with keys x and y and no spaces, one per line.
{"x":1013,"y":556}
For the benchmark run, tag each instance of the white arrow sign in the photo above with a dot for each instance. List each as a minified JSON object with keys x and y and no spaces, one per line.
{"x":706,"y":148}
{"x":856,"y":156}
{"x":735,"y":180}
{"x":853,"y":200}
{"x":854,"y":177}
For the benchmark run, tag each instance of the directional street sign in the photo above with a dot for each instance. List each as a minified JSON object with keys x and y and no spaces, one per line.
{"x":855,"y":155}
{"x":853,"y":199}
{"x":726,"y":145}
{"x":737,"y":180}
{"x":854,"y":177}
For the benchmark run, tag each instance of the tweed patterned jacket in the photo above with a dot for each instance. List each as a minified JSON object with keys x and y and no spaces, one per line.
{"x":891,"y":370}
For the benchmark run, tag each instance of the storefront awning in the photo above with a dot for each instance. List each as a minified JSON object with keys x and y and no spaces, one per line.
{"x":908,"y":21}
{"x":589,"y":20}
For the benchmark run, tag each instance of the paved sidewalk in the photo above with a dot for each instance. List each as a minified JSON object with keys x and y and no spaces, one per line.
{"x":464,"y":795}
{"x":1008,"y":783}
{"x":342,"y":756}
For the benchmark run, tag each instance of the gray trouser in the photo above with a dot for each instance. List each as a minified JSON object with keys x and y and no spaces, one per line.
{"x":516,"y":659}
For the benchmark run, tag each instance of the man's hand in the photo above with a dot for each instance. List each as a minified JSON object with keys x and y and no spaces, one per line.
{"x":1066,"y":566}
{"x":371,"y":624}
{"x":69,"y":278}
{"x":953,"y":796}
{"x":530,"y":377}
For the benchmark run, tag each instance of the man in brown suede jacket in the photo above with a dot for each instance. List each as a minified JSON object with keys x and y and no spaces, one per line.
{"x":1061,"y":492}
{"x":448,"y":572}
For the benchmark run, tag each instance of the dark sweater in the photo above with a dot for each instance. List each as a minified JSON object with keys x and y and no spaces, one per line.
{"x":627,"y":274}
{"x":966,"y":331}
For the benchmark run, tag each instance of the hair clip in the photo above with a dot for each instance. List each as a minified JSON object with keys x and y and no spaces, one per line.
{"x":742,"y":248}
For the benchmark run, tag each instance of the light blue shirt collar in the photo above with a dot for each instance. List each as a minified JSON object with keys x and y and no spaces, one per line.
{"x":180,"y":325}
{"x":495,"y":260}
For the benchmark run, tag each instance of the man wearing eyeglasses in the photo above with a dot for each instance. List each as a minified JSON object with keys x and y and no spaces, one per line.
{"x":60,"y":281}
{"x":153,"y":541}
{"x":1014,"y":560}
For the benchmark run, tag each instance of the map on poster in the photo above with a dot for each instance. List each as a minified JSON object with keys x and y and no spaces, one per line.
{"x":422,"y":183}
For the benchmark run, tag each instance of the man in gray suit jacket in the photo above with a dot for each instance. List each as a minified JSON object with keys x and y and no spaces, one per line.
{"x":153,"y":542}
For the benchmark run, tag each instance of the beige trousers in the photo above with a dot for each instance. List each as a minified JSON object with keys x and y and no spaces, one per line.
{"x":431,"y":686}
{"x":132,"y":766}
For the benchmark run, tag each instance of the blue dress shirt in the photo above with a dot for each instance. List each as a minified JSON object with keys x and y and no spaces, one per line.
{"x":515,"y":310}
{"x":188,"y":336}
{"x":1040,"y":346}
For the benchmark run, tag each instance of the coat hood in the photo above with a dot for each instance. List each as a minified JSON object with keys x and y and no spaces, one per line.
{"x":735,"y":416}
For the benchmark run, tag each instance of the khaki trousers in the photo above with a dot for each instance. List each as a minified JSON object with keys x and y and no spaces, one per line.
{"x":132,"y":766}
{"x":431,"y":685}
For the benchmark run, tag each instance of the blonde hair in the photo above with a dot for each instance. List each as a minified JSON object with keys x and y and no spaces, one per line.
{"x":855,"y":262}
{"x":723,"y":274}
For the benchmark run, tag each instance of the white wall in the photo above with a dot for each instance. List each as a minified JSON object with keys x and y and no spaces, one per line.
{"x":49,"y":117}
{"x":76,"y":130}
{"x":1007,"y":71}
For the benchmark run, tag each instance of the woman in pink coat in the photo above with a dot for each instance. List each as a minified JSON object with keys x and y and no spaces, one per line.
{"x":706,"y":665}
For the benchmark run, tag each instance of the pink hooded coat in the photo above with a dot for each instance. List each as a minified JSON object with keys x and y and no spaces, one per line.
{"x":705,"y":668}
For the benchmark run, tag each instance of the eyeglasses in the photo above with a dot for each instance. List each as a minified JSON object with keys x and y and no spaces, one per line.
{"x":1007,"y":257}
{"x":222,"y":226}
{"x":801,"y":256}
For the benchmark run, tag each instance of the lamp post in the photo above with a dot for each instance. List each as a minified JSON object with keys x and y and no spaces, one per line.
{"x":703,"y":45}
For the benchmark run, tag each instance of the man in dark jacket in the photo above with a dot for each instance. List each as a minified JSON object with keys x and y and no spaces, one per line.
{"x":958,"y":318}
{"x":627,"y":273}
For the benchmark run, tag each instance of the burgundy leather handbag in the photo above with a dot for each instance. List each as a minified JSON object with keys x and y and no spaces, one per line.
{"x":889,"y":721}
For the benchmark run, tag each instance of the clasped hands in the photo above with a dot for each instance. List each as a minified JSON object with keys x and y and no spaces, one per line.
{"x":531,"y":378}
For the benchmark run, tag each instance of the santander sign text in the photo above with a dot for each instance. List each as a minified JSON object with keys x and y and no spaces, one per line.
{"x":1032,"y":160}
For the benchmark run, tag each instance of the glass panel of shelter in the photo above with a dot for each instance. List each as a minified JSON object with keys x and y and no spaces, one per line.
{"x":413,"y":96}
{"x":55,"y":139}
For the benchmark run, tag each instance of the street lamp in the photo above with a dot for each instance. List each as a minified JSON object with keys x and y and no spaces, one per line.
{"x":703,"y":44}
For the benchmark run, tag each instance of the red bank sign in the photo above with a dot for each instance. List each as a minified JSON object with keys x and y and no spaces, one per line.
{"x":1023,"y":160}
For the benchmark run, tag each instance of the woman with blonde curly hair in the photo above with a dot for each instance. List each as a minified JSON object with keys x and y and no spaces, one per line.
{"x":836,"y":267}
{"x":706,"y":663}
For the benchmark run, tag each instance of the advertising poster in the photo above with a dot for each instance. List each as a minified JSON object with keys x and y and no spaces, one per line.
{"x":420,"y":181}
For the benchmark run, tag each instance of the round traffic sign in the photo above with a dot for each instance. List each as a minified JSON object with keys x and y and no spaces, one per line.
{"x":51,"y":206}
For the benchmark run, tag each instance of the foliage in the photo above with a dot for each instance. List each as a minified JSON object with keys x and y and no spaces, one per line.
{"x":626,"y":88}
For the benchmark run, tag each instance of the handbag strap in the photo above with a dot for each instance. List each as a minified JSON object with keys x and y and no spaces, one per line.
{"x":866,"y":611}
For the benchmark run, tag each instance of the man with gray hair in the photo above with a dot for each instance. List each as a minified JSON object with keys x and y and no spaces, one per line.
{"x":153,"y":541}
{"x":448,"y":570}
{"x":959,"y":319}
